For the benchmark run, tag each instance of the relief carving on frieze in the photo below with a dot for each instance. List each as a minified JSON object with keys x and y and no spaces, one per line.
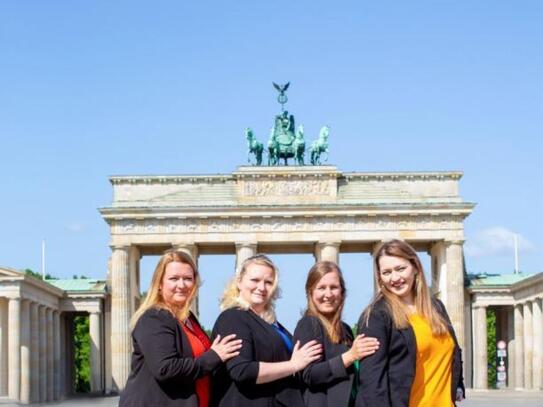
{"x":287,"y":224}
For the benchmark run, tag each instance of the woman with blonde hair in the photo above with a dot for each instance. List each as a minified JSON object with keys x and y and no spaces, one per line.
{"x":173,"y":357}
{"x":329,"y":381}
{"x":263,"y":373}
{"x":419,"y":361}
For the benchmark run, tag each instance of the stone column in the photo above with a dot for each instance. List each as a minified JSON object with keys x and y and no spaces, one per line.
{"x":134,"y":278}
{"x":3,"y":347}
{"x":25,"y":352}
{"x":121,"y":346}
{"x":327,"y":251}
{"x":50,"y":355}
{"x":35,"y":352}
{"x":43,"y":350}
{"x":454,"y":301}
{"x":69,"y":379}
{"x":56,"y":355}
{"x":244,"y":250}
{"x":192,"y":251}
{"x":528,"y":345}
{"x":519,"y":347}
{"x":480,"y":358}
{"x":510,"y":348}
{"x":439,"y":271}
{"x":375,"y":246}
{"x":95,"y":350}
{"x":107,"y":347}
{"x":14,"y":343}
{"x":64,"y":353}
{"x":537,"y":372}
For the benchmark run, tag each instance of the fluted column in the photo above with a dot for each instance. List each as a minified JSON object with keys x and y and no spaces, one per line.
{"x":69,"y":377}
{"x":327,"y":251}
{"x":35,"y":353}
{"x":14,"y":342}
{"x":244,"y":250}
{"x":25,"y":352}
{"x":454,"y":301}
{"x":107,"y":347}
{"x":56,"y":355}
{"x":528,"y":345}
{"x":3,"y":347}
{"x":519,"y":346}
{"x":537,"y":372}
{"x":121,"y":346}
{"x":50,"y":355}
{"x":95,"y":350}
{"x":480,"y":358}
{"x":374,"y":248}
{"x":64,"y":352}
{"x":511,"y":347}
{"x":134,"y":257}
{"x":439,"y":271}
{"x":43,"y":350}
{"x":192,"y":251}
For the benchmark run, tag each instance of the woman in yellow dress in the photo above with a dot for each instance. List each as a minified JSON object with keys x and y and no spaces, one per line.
{"x":419,"y":362}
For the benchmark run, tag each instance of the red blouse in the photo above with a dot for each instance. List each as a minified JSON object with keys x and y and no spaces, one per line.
{"x":200,"y":343}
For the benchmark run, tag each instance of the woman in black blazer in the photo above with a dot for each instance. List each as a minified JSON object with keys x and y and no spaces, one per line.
{"x":419,"y":361}
{"x":263,"y":373}
{"x":329,"y":381}
{"x":173,"y":357}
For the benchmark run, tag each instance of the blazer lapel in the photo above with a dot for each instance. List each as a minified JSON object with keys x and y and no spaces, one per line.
{"x":409,"y":337}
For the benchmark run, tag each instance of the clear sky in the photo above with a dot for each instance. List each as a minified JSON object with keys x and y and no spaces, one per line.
{"x":93,"y":89}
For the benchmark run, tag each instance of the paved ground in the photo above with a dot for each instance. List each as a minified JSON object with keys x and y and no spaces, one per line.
{"x":475,"y":399}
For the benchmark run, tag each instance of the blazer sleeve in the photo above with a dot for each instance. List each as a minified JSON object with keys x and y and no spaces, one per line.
{"x":373,"y":378}
{"x":244,"y":367}
{"x":155,"y":335}
{"x":321,"y":372}
{"x":458,"y":351}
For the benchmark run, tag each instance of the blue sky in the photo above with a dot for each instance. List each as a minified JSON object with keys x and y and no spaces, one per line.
{"x":93,"y":89}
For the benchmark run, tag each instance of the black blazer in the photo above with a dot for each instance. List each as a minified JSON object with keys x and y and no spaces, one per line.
{"x":235,"y":383}
{"x":163,"y":366}
{"x":326,"y":382}
{"x":385,"y":378}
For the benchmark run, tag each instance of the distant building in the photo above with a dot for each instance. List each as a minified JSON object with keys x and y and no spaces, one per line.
{"x":36,"y":335}
{"x":516,"y":300}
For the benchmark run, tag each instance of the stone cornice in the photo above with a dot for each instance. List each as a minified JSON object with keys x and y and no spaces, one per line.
{"x":400,"y":176}
{"x":285,"y":172}
{"x":25,"y":279}
{"x":168,"y":179}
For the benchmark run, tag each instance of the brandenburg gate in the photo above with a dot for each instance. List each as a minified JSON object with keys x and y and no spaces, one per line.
{"x":313,"y":209}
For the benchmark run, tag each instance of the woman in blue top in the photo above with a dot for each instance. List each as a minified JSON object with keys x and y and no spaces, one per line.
{"x":263,"y":373}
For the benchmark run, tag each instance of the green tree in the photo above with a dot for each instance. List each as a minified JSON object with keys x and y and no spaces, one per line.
{"x":82,"y":354}
{"x":32,"y":273}
{"x":491,"y":347}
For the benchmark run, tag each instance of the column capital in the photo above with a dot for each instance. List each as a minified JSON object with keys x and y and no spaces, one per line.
{"x":119,"y":246}
{"x":249,"y":245}
{"x":454,"y":242}
{"x":188,"y":245}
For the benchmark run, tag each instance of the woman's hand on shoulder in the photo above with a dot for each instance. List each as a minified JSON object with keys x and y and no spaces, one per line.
{"x":304,"y":355}
{"x":227,"y":347}
{"x":362,"y":346}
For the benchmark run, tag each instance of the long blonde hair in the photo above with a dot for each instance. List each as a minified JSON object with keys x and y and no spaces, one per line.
{"x":421,"y":294}
{"x":154,"y":298}
{"x":231,"y":296}
{"x":332,"y":326}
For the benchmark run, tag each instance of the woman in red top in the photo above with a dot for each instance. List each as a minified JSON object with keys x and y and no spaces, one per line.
{"x":173,"y":357}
